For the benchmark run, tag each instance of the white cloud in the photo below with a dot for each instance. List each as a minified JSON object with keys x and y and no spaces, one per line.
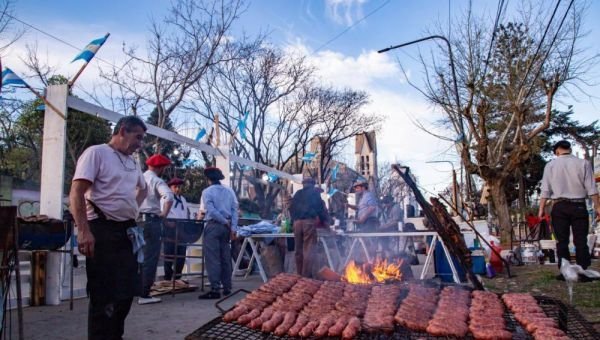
{"x":400,"y":140}
{"x":59,"y":55}
{"x":344,"y":12}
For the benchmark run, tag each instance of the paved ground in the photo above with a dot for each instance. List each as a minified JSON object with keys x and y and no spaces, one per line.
{"x":173,"y":318}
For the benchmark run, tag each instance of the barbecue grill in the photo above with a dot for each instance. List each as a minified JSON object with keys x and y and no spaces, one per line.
{"x":568,"y":318}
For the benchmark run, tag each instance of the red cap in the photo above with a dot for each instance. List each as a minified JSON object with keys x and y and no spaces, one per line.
{"x":158,"y":160}
{"x":175,"y":181}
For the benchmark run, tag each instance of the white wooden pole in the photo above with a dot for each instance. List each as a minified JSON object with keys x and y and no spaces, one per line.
{"x":223,"y":162}
{"x":52,"y":178}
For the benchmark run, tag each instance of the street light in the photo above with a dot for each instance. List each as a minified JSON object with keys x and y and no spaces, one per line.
{"x":454,"y":184}
{"x":457,"y":97}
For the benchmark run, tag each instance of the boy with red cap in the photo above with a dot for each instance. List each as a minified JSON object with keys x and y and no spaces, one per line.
{"x":179,"y":210}
{"x":151,"y":218}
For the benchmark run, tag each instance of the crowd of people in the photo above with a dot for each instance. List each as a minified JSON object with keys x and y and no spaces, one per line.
{"x":123,"y":215}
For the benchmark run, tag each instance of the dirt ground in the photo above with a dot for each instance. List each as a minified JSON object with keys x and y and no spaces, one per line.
{"x":540,"y":280}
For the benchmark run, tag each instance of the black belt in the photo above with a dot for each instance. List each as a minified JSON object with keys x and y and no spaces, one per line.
{"x":148,"y":217}
{"x":573,"y":200}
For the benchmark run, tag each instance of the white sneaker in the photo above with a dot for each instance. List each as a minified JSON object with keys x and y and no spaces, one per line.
{"x":148,"y":300}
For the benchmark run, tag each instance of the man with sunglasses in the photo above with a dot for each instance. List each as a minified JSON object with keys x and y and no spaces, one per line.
{"x":106,"y":191}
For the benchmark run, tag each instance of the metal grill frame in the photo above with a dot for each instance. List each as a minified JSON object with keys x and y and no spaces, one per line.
{"x":568,"y":318}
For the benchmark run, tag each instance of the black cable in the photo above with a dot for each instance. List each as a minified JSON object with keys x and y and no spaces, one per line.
{"x":562,"y":21}
{"x":54,"y":37}
{"x":352,"y":26}
{"x":540,"y":43}
{"x":487,"y":59}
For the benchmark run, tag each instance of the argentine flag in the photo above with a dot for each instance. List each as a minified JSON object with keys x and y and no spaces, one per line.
{"x":90,"y":50}
{"x":10,"y":78}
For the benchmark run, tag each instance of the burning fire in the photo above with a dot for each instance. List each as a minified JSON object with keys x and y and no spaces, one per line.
{"x":380,"y":271}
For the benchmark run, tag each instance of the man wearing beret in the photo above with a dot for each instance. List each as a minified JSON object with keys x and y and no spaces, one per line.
{"x":221,"y":207}
{"x":151,"y":218}
{"x":107,"y":189}
{"x":568,"y":181}
{"x":179,"y":210}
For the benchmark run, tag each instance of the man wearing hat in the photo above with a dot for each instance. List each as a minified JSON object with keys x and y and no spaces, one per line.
{"x":106,"y":191}
{"x":307,"y":210}
{"x":367,"y":208}
{"x":179,"y":210}
{"x":221,"y":218}
{"x":151,"y":218}
{"x":568,"y":181}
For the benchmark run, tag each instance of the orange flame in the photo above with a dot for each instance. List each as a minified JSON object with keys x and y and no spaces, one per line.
{"x":380,"y":271}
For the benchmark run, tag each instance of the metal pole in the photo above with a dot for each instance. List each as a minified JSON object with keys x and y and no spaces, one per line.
{"x":450,"y":55}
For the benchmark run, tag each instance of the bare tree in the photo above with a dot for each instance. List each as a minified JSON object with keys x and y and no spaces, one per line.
{"x":507,"y":87}
{"x":190,"y":40}
{"x":270,"y":89}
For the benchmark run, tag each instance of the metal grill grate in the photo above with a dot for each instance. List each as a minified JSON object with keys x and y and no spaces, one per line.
{"x":569,"y":319}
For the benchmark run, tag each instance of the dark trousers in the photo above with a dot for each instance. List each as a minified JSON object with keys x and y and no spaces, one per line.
{"x":173,"y":254}
{"x":305,"y":238}
{"x":152,"y":233}
{"x":567,"y":216}
{"x":113,"y":280}
{"x":218,"y":255}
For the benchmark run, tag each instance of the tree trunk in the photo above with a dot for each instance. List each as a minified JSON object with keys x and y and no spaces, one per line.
{"x":498,"y":196}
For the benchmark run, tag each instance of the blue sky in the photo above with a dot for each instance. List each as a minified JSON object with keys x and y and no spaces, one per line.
{"x":306,"y":25}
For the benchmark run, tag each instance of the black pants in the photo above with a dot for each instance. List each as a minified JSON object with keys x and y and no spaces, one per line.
{"x":567,"y":216}
{"x":113,"y":279}
{"x":172,"y":253}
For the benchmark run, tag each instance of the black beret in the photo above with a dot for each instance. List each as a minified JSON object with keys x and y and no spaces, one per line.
{"x":563,"y":144}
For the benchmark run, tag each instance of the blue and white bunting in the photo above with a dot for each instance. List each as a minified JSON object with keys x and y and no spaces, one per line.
{"x":242,"y":125}
{"x":272,"y":177}
{"x":189,"y":162}
{"x":10,"y":78}
{"x":90,"y":50}
{"x":200,"y":134}
{"x":332,"y":191}
{"x":309,"y":156}
{"x":334,"y":172}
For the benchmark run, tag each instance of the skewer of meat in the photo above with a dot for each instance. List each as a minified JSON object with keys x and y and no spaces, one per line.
{"x":235,"y":313}
{"x":307,"y":330}
{"x":288,"y":321}
{"x":266,"y":314}
{"x":352,"y":328}
{"x":338,"y":326}
{"x":301,"y":321}
{"x":244,"y":319}
{"x":274,"y":321}
{"x":324,"y":324}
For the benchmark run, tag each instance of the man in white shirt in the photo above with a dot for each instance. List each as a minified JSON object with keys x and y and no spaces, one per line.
{"x":107,"y":188}
{"x":151,"y":218}
{"x":568,"y":181}
{"x":179,"y":210}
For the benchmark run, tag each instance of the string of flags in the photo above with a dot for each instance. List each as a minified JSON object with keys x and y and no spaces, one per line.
{"x":309,"y":156}
{"x":242,"y":125}
{"x":334,"y":172}
{"x":10,"y":78}
{"x":200,"y":134}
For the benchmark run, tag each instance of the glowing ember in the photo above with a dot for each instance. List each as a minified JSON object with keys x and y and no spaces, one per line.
{"x":380,"y":271}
